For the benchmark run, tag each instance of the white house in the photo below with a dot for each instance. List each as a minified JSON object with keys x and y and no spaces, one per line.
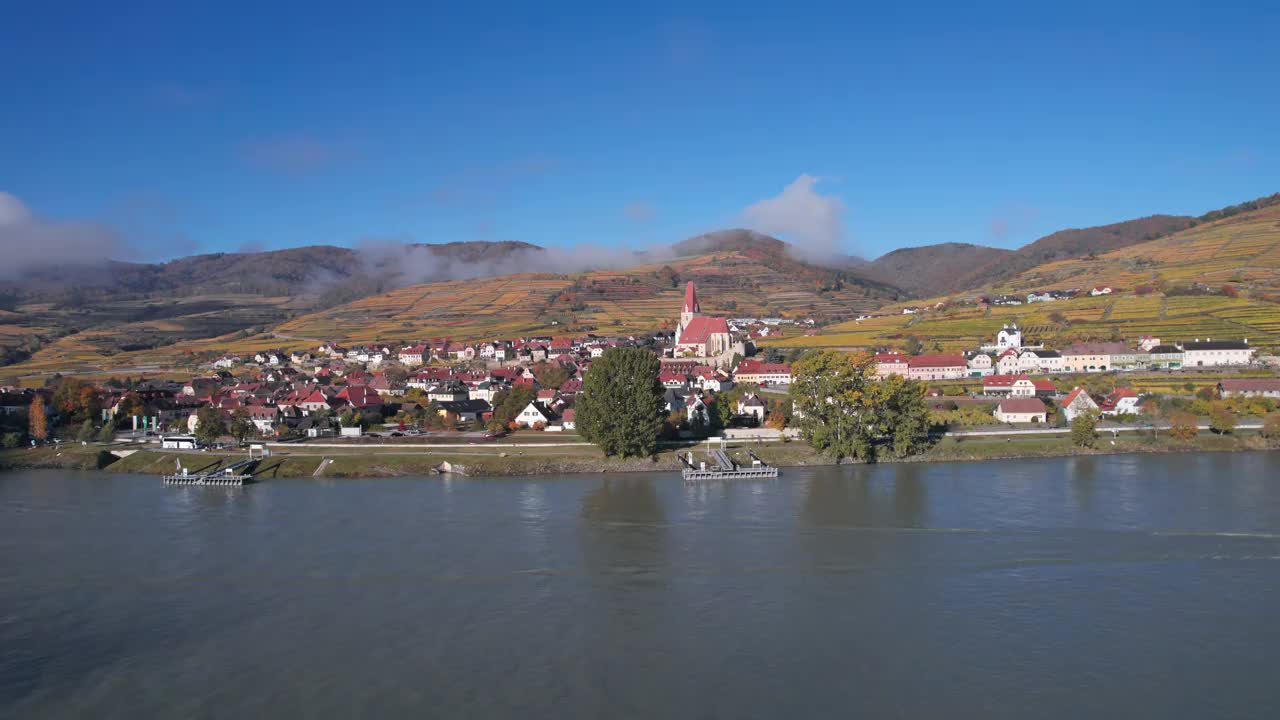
{"x":1250,"y":387}
{"x":1102,"y":290}
{"x":750,"y":405}
{"x":981,"y":365}
{"x":412,"y":356}
{"x":532,"y":414}
{"x":1009,"y":337}
{"x":1021,"y":410}
{"x":1210,"y":353}
{"x":1007,"y":363}
{"x":1122,"y":401}
{"x":1077,"y":402}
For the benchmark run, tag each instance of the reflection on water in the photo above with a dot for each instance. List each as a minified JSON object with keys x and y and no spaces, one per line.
{"x":1134,"y":586}
{"x":866,"y":496}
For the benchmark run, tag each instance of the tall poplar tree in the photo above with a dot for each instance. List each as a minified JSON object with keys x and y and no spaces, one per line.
{"x":620,"y":407}
{"x":37,"y":421}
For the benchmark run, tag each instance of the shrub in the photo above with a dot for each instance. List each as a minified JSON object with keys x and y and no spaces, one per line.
{"x":105,"y":458}
{"x":1182,"y":426}
{"x":1221,"y":419}
{"x":1271,"y":426}
{"x":1084,"y":430}
{"x":11,"y":440}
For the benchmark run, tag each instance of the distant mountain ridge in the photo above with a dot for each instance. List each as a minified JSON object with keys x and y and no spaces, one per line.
{"x":954,"y":267}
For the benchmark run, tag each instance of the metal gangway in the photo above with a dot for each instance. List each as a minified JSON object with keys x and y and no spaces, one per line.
{"x":229,"y":475}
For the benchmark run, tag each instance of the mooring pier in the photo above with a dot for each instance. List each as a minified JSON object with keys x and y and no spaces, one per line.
{"x":229,"y":475}
{"x":724,"y":467}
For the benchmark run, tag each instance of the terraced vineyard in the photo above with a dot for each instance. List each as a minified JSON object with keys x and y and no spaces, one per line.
{"x":1240,"y":254}
{"x":637,"y":299}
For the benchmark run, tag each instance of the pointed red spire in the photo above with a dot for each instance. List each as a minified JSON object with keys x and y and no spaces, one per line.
{"x":691,"y":299}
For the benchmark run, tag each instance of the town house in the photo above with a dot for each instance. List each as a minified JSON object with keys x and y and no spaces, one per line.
{"x":937,"y":367}
{"x":1212,"y":353}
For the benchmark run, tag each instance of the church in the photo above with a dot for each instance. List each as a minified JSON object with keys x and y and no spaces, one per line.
{"x":698,"y":335}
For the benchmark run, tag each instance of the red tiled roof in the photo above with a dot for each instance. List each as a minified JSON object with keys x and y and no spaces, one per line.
{"x":701,"y":328}
{"x":755,"y":367}
{"x":360,"y":396}
{"x":1021,"y":405}
{"x":891,"y":357}
{"x":1071,"y":396}
{"x":937,"y":361}
{"x":1044,"y":385}
{"x":1251,"y":385}
{"x":1002,"y":380}
{"x":690,"y":300}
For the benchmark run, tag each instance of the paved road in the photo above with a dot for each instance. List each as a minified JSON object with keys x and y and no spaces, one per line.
{"x":1251,"y":425}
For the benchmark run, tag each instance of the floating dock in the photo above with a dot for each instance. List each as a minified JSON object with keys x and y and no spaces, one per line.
{"x":229,"y":475}
{"x":724,"y":468}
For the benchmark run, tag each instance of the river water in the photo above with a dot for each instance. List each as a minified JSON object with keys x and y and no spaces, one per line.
{"x":1123,"y":586}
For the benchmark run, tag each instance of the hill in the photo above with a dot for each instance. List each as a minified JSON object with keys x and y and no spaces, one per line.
{"x":121,"y":307}
{"x":1219,"y":278}
{"x":933,"y":268}
{"x":738,"y":273}
{"x":952,"y":267}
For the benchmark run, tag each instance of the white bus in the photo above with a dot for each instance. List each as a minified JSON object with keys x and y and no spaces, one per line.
{"x":179,"y":442}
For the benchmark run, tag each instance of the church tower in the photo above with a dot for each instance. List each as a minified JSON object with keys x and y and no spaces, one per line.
{"x":691,"y":307}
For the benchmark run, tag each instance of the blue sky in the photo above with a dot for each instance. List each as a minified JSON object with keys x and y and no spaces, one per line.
{"x":263,"y":126}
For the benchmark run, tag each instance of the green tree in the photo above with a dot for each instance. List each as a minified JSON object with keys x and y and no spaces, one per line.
{"x":241,"y":427}
{"x":396,"y":375}
{"x":620,"y":408}
{"x":903,"y":414}
{"x":108,"y":432}
{"x":66,"y":395}
{"x":912,"y":345}
{"x":828,"y":392}
{"x":1221,"y":419}
{"x":1084,"y":430}
{"x":89,"y":403}
{"x":209,"y":424}
{"x":508,"y":404}
{"x":86,"y":431}
{"x":550,"y":376}
{"x":841,"y":408}
{"x":130,"y":405}
{"x":11,"y":440}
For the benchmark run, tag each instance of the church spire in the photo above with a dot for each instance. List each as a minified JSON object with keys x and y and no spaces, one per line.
{"x":690,"y":300}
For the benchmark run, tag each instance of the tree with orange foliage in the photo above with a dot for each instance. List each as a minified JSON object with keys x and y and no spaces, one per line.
{"x":1183,"y":426}
{"x":37,"y":421}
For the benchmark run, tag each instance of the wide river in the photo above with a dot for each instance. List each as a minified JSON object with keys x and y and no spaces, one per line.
{"x":1124,"y":586}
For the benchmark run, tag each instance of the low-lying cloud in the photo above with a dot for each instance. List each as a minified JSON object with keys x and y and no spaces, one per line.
{"x":812,"y":222}
{"x":29,"y":241}
{"x":413,"y":263}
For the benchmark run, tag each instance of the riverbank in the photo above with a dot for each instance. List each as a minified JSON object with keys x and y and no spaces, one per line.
{"x":372,"y":461}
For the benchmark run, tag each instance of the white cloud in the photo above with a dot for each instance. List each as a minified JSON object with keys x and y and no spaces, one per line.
{"x":27,"y":240}
{"x":812,"y":222}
